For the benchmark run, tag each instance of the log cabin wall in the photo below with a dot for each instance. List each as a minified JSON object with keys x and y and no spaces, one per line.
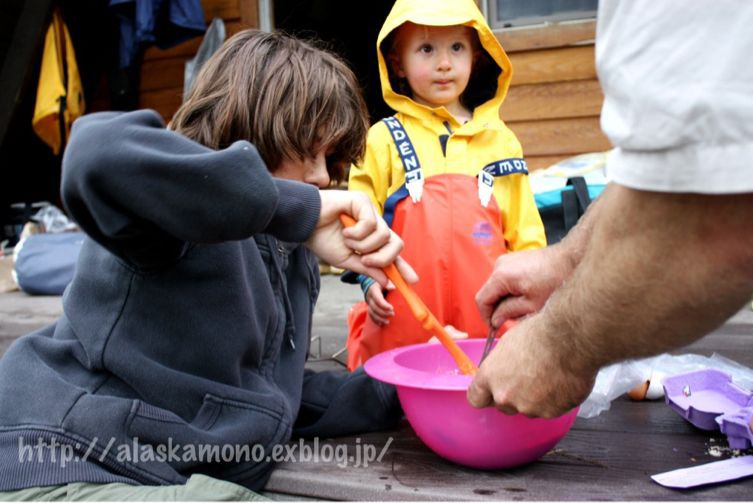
{"x":553,"y":104}
{"x":554,"y":100}
{"x":161,"y":85}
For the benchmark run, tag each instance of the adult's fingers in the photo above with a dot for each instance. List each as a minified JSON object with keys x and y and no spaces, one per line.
{"x":478,"y":394}
{"x":490,"y":295}
{"x":511,"y":308}
{"x":507,"y":409}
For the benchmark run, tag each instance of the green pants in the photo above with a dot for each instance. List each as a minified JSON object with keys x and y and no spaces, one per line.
{"x":197,"y":488}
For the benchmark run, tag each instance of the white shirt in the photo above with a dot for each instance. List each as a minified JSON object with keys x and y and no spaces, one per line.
{"x":678,"y":84}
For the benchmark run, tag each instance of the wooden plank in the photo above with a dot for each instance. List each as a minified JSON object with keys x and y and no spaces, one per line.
{"x":629,"y":416}
{"x":578,"y":98}
{"x":607,"y":457}
{"x":162,"y":74}
{"x":734,"y":346}
{"x":233,"y":26}
{"x":21,"y":314}
{"x":560,"y":136}
{"x":225,"y":9}
{"x":185,"y":50}
{"x":553,"y":65}
{"x":595,"y":462}
{"x":249,"y":13}
{"x":164,"y":101}
{"x":547,"y":36}
{"x":738,"y":347}
{"x":188,"y":48}
{"x":160,"y":71}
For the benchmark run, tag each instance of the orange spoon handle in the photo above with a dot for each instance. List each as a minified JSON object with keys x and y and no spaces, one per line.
{"x":421,"y":312}
{"x":415,"y":304}
{"x":464,"y":363}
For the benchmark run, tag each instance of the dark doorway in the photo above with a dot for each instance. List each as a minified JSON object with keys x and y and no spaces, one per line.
{"x":29,"y":171}
{"x":350,"y":30}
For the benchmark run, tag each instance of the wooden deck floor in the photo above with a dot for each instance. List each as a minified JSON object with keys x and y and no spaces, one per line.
{"x":609,"y":457}
{"x":606,"y":458}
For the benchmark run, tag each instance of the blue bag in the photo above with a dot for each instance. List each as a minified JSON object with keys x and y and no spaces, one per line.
{"x":46,"y":262}
{"x":561,"y":208}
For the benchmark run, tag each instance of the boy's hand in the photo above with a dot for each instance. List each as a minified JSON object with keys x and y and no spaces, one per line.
{"x":366,"y":247}
{"x":380,"y":311}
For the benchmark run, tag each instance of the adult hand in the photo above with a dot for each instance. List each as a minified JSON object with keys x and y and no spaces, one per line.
{"x":366,"y":247}
{"x":521,"y":283}
{"x":525,"y":373}
{"x":379,"y":309}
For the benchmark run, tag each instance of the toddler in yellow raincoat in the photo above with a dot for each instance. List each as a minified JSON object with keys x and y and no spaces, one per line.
{"x":447,"y":173}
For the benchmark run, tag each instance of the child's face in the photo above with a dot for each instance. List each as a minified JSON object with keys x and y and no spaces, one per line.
{"x":436,"y":61}
{"x":311,"y":170}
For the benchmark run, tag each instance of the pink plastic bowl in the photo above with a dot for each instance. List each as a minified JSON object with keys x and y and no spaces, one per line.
{"x":432,"y":392}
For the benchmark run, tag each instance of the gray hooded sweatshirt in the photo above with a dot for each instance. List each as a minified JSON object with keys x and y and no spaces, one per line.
{"x":187,"y":323}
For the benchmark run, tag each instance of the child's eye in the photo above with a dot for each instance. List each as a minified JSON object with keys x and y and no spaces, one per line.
{"x":426,"y":49}
{"x":458,"y":46}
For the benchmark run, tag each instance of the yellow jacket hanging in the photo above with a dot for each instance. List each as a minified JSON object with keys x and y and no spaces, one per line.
{"x":60,"y":97}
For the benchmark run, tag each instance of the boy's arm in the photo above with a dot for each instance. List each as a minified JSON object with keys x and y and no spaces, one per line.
{"x":370,"y":176}
{"x":337,"y":403}
{"x":143,"y":192}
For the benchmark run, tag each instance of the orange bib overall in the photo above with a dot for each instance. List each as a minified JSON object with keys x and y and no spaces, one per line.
{"x":452,"y":241}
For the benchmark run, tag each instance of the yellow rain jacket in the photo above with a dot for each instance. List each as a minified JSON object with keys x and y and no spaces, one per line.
{"x":60,"y":97}
{"x":451,"y":237}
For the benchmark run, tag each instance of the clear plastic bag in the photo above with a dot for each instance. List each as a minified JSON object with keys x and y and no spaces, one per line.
{"x":619,"y":378}
{"x":53,"y":220}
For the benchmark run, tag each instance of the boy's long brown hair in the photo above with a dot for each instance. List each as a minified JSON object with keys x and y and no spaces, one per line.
{"x":286,"y":96}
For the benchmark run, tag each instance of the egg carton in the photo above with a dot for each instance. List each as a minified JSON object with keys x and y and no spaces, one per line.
{"x":709,"y":400}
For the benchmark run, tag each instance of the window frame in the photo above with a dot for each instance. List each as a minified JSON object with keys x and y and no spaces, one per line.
{"x":490,"y":9}
{"x":547,"y":36}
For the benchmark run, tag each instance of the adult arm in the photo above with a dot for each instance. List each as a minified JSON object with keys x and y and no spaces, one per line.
{"x":521,"y":282}
{"x":664,"y":264}
{"x":659,"y":271}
